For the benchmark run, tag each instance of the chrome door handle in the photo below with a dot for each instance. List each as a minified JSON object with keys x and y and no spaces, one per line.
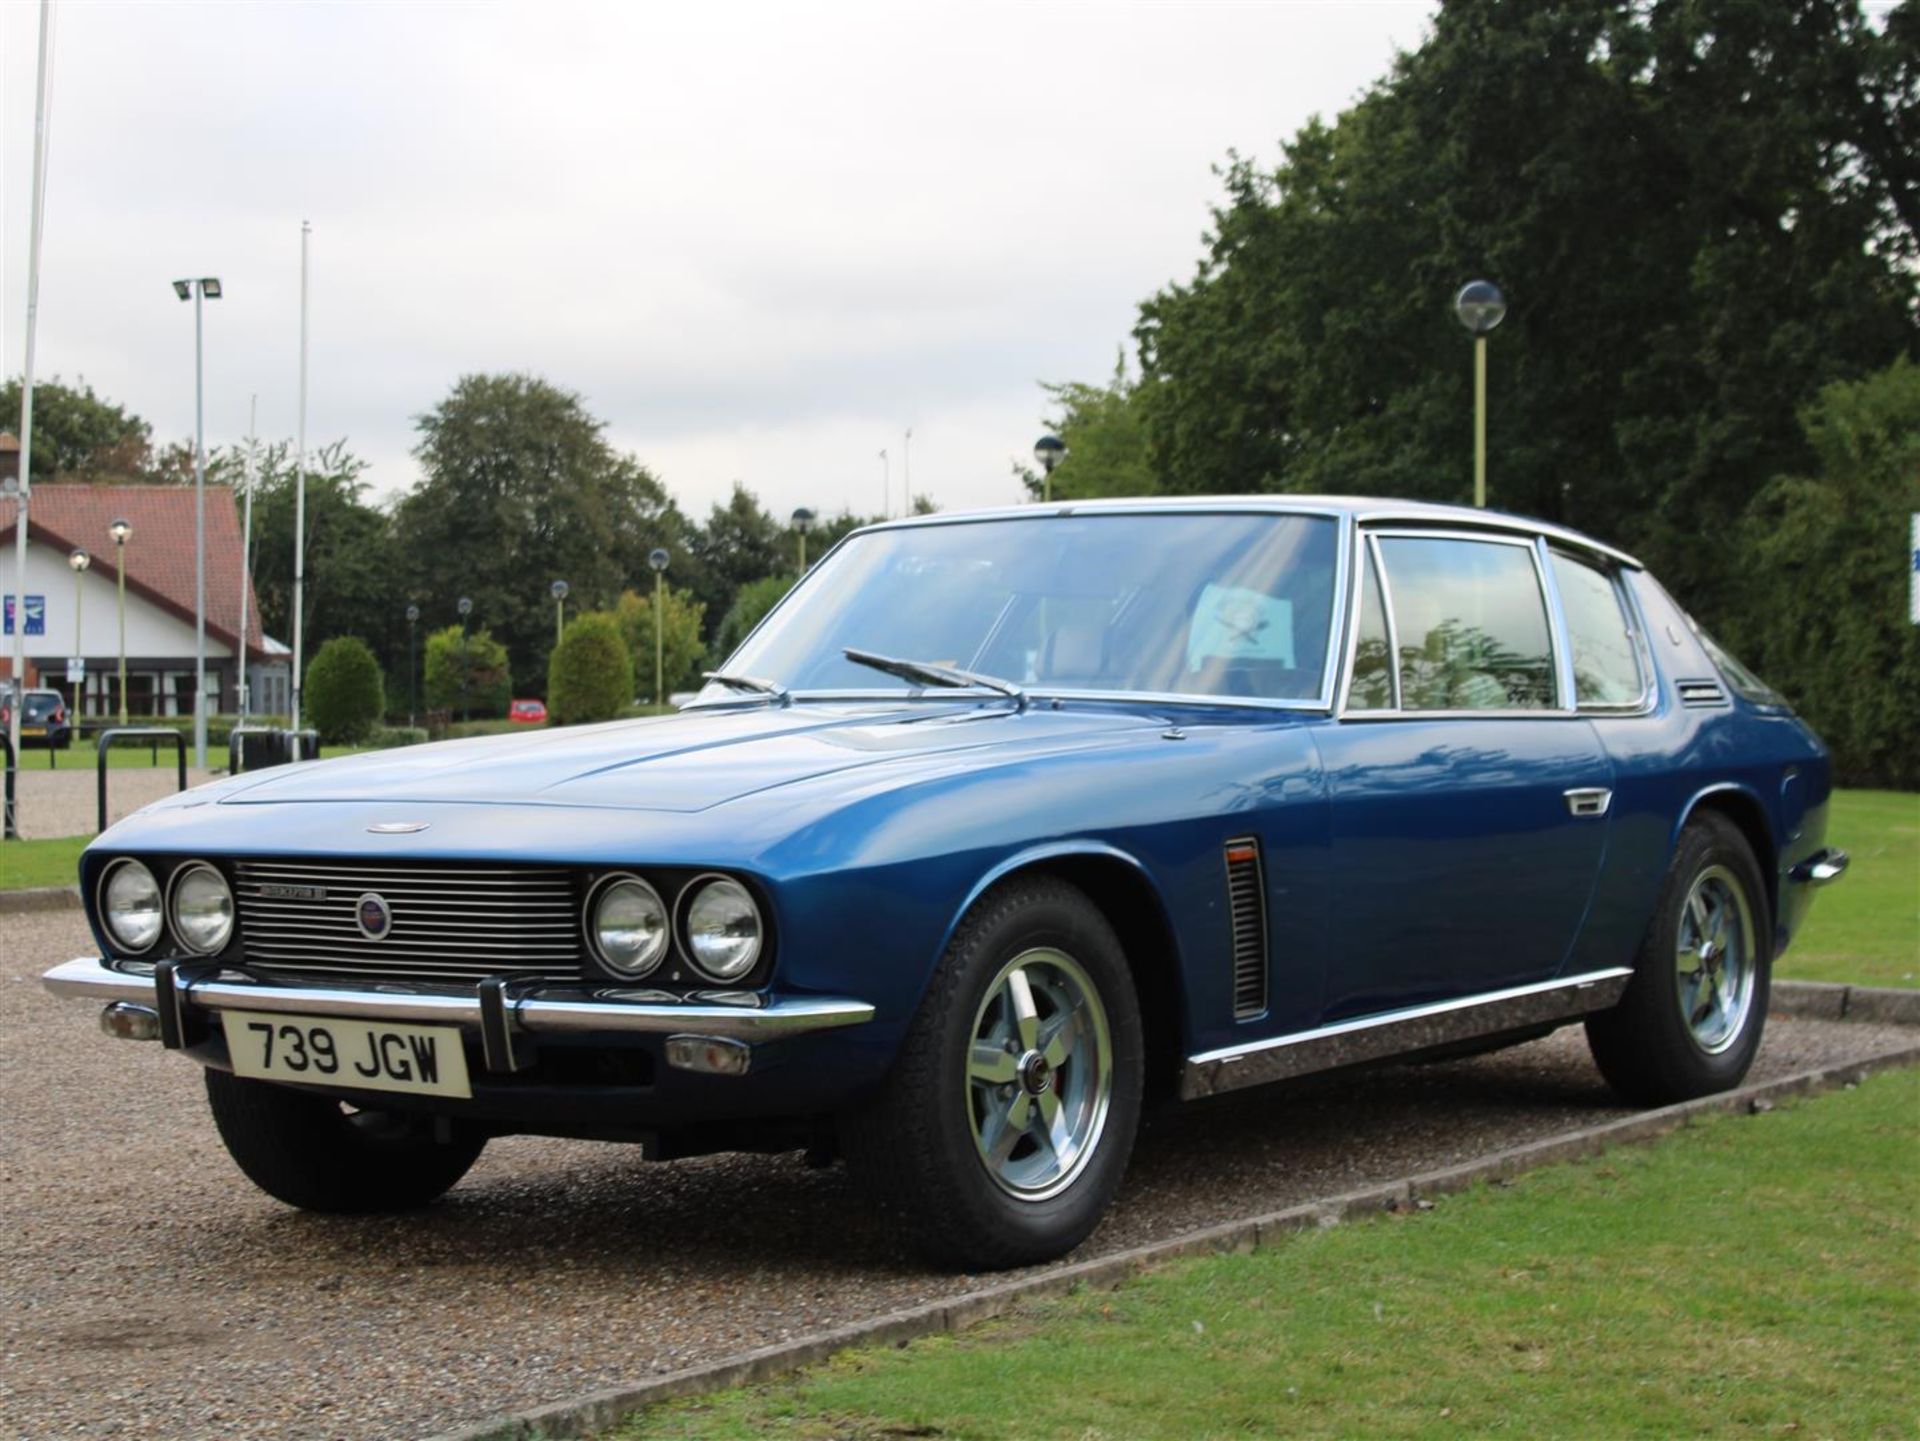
{"x":1588,"y":800}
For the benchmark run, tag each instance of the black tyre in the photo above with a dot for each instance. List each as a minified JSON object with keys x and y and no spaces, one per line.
{"x":1005,"y":1125}
{"x":314,"y":1153}
{"x":1690,"y":1021}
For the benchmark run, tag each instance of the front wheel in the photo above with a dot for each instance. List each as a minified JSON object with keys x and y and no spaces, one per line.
{"x":1005,"y":1126}
{"x":320,"y":1155}
{"x":1690,"y":1021}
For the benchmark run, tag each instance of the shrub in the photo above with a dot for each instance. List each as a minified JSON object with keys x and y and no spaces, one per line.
{"x":682,"y":653}
{"x":345,"y":696}
{"x":390,"y":736}
{"x":750,"y":605}
{"x":590,"y":676}
{"x":488,"y":683}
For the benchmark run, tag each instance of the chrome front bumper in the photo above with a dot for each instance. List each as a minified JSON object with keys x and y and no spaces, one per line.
{"x":499,"y":1009}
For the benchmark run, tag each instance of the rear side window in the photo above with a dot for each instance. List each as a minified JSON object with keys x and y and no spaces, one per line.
{"x":1372,"y":687}
{"x":1606,"y":663}
{"x":1471,"y":624}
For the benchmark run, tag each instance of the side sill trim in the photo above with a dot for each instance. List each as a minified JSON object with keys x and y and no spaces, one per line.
{"x":1372,"y":1038}
{"x":611,"y":1009}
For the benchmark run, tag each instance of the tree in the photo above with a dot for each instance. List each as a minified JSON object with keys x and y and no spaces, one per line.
{"x":1701,"y":213}
{"x":684,"y":653}
{"x":739,"y":543}
{"x":1825,"y":619}
{"x":77,"y":436}
{"x":345,"y":695}
{"x":590,"y":677}
{"x":521,"y":489}
{"x":750,"y":606}
{"x":1106,"y":438}
{"x":488,"y":680}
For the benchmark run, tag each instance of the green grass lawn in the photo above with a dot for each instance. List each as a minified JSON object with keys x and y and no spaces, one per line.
{"x":1865,"y":929}
{"x":24,"y":864}
{"x":1751,"y":1275}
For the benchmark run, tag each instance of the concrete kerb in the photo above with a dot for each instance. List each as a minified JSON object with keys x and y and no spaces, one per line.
{"x":39,"y":898}
{"x":604,"y":1409}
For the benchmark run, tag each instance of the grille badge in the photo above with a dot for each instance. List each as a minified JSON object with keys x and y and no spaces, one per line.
{"x":293,"y":893}
{"x":397,"y":828}
{"x":373,"y":915}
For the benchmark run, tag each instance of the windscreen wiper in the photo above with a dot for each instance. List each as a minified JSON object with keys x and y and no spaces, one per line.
{"x":752,"y":685}
{"x":929,"y":673}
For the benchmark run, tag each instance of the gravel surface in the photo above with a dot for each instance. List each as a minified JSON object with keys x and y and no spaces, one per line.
{"x":66,"y":802}
{"x":151,"y":1291}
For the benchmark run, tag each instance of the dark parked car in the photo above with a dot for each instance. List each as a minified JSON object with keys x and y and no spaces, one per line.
{"x":999,"y":828}
{"x":44,"y":719}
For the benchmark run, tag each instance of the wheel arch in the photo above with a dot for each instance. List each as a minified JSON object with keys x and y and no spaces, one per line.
{"x":1126,"y":894}
{"x":1744,"y":809}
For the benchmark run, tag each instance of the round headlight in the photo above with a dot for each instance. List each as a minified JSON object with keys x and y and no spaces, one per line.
{"x":130,"y":906}
{"x":629,"y":926}
{"x":723,"y":930}
{"x":202,"y":909}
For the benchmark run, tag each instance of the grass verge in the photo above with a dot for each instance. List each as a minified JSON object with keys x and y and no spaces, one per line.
{"x":1866,"y":930}
{"x":25,"y":864}
{"x":1753,"y":1275}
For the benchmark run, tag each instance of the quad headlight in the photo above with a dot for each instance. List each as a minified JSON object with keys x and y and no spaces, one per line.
{"x":628,"y":925}
{"x":201,"y":908}
{"x":723,"y":929}
{"x":130,"y":906}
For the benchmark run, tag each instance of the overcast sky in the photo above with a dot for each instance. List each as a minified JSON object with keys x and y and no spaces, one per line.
{"x":760,"y":240}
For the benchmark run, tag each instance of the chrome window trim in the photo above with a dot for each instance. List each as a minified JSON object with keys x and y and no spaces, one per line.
{"x":1637,"y":638}
{"x":1562,"y":637}
{"x":1373,"y":536}
{"x":1355,"y":604}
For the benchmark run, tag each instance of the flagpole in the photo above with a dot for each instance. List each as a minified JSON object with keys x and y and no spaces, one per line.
{"x":300,"y":488}
{"x":39,"y":210}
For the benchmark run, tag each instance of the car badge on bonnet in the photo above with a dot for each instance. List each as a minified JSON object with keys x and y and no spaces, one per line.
{"x":397,"y":828}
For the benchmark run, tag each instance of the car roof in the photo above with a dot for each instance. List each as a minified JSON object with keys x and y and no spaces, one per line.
{"x":1366,"y":510}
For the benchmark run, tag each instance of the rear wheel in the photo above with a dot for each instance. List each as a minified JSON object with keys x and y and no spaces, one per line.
{"x":321,"y":1155}
{"x":1691,"y":1019}
{"x":1002,"y":1133}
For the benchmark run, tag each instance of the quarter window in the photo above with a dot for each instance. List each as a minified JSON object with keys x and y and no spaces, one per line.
{"x":1471,"y":624}
{"x":1372,"y":687}
{"x":1606,"y":667}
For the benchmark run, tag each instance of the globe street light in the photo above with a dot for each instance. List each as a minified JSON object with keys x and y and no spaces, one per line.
{"x":465,"y":607}
{"x":206,"y":288}
{"x":658,"y":558}
{"x":802,"y":523}
{"x":558,"y":590}
{"x":122,"y":532}
{"x":413,"y":670}
{"x":1048,"y":451}
{"x":1480,"y":306}
{"x":79,"y":560}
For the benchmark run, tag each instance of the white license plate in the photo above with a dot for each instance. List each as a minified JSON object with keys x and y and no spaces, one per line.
{"x":366,"y":1055}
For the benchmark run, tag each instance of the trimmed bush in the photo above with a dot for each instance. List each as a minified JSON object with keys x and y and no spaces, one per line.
{"x":488,"y":684}
{"x":590,"y":676}
{"x":345,"y":696}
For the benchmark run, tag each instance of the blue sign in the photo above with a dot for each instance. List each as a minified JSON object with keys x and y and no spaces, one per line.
{"x":36,"y":615}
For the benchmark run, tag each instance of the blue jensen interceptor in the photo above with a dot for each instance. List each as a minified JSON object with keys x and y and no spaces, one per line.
{"x":999,"y":827}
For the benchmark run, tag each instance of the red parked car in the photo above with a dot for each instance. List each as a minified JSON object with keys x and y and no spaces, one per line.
{"x":528,"y":712}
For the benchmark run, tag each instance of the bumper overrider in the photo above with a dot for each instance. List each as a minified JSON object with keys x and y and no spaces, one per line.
{"x":710,"y":1031}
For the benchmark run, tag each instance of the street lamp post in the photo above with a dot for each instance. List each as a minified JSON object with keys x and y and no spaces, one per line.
{"x":465,"y":607}
{"x":413,"y":669}
{"x":559,"y":592}
{"x":658,"y":558}
{"x":1048,"y":451}
{"x":206,"y":288}
{"x":802,"y":523}
{"x":79,"y":560}
{"x":122,"y":532}
{"x":1480,"y":306}
{"x":886,"y":486}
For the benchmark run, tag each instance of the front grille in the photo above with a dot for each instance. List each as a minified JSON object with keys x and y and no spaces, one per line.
{"x":449,"y":922}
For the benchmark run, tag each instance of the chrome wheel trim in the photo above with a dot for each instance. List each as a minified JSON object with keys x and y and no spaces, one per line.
{"x":1715,"y":953}
{"x":1039,"y":1078}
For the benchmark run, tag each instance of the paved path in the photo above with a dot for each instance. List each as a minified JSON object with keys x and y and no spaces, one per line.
{"x":65,"y":802}
{"x":151,"y":1291}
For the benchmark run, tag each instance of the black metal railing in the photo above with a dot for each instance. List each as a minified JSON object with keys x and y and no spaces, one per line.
{"x":153,"y":735}
{"x":11,"y":830}
{"x":252,"y":748}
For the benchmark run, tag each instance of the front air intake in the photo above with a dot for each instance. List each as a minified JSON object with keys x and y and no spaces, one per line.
{"x":1247,"y":908}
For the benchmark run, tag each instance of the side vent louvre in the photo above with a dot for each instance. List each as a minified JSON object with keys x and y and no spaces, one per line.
{"x":1699,"y":694}
{"x":1247,"y":906}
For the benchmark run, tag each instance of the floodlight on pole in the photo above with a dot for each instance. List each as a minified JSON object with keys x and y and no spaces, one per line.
{"x":658,"y":559}
{"x":206,"y":288}
{"x":79,"y":560}
{"x":122,"y":532}
{"x":413,"y":669}
{"x":803,"y":519}
{"x":1048,"y":451}
{"x":558,"y":590}
{"x":1480,"y":307}
{"x":465,"y":607}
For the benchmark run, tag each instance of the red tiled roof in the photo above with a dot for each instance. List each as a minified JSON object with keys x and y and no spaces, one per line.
{"x":160,"y":555}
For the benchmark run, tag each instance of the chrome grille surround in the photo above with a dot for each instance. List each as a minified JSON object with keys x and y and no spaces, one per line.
{"x":450,"y":922}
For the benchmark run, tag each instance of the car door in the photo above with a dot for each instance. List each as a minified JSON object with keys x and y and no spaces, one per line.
{"x":1468,"y":796}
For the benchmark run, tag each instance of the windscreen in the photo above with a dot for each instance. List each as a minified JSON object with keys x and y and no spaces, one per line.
{"x":1226,"y":605}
